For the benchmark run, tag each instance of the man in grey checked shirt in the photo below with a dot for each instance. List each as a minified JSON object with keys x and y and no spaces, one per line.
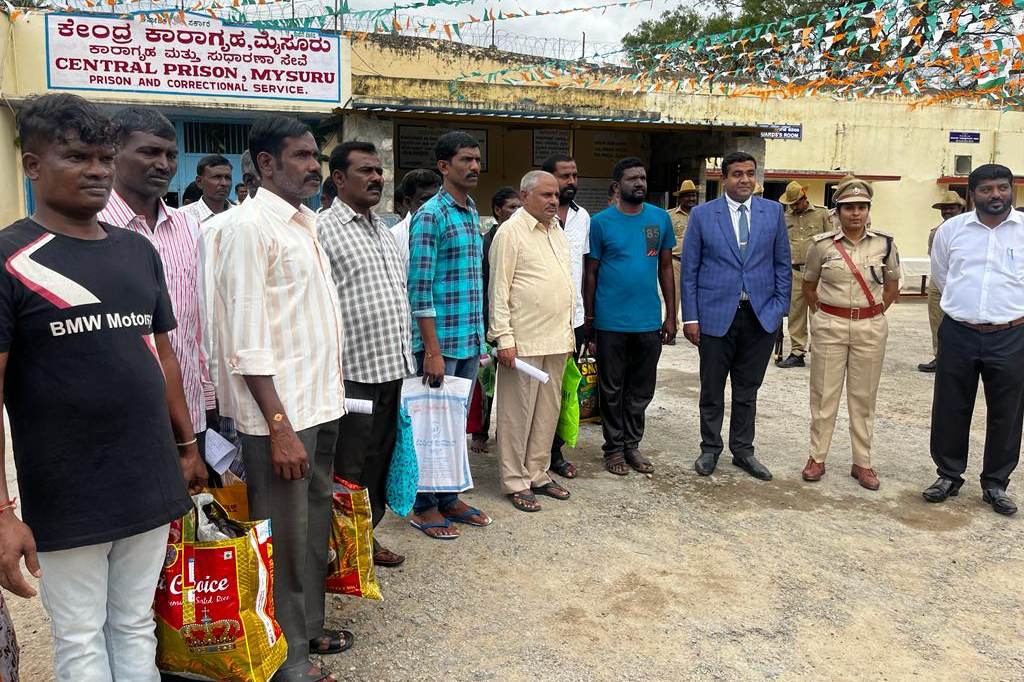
{"x":371,"y":282}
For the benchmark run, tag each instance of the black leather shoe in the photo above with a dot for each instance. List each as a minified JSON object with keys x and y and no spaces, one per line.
{"x":1000,"y":501}
{"x":753,"y":467}
{"x":791,"y":361}
{"x":940,"y":490}
{"x":926,"y":367}
{"x":706,"y":463}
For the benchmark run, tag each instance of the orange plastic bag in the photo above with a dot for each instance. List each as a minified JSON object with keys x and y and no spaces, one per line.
{"x":214,"y":606}
{"x":234,"y":499}
{"x":350,"y":559}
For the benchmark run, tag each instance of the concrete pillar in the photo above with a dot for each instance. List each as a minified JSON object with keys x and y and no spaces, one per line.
{"x":752,"y":144}
{"x":381,"y":133}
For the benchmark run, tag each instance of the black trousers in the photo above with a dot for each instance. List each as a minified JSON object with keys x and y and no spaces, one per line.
{"x":741,"y":356}
{"x":998,"y":359}
{"x":627,"y":372}
{"x":366,"y":442}
{"x":556,"y":445}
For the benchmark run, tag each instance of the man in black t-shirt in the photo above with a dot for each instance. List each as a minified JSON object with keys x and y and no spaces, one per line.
{"x":94,"y":395}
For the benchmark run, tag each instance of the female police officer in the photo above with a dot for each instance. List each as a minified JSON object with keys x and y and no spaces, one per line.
{"x":851,"y":278}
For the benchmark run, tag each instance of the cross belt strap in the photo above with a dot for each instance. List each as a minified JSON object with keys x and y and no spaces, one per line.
{"x":856,"y":273}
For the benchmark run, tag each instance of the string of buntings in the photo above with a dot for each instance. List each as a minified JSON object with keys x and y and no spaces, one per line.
{"x":898,"y":48}
{"x":932,"y":50}
{"x":385,"y":20}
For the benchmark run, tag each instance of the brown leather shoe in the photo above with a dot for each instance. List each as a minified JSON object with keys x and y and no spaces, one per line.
{"x":814,"y":470}
{"x":866,"y":477}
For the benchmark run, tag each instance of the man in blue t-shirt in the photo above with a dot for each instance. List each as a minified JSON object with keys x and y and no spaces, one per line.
{"x":630,"y":256}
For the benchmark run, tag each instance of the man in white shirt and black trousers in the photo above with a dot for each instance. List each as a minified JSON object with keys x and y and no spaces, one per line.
{"x":278,"y":327}
{"x":978,"y":265}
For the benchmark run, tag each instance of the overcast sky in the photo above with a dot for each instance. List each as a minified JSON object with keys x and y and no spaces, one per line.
{"x":604,"y":28}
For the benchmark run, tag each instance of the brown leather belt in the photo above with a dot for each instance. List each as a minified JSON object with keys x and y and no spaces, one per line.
{"x":798,"y":267}
{"x":852,"y":313}
{"x":986,"y":328}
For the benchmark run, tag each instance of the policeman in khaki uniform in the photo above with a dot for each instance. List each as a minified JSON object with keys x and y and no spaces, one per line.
{"x":680,"y":215}
{"x":851,"y":277}
{"x":952,"y":204}
{"x":804,"y":221}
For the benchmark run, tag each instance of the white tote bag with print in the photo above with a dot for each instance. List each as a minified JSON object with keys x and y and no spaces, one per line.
{"x":438,"y":417}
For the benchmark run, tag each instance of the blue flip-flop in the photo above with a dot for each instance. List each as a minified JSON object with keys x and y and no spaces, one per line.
{"x":464,"y":518}
{"x":423,"y":527}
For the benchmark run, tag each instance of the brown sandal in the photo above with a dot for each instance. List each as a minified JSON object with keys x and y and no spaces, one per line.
{"x":616,"y":464}
{"x":385,"y":557}
{"x":639,"y":462}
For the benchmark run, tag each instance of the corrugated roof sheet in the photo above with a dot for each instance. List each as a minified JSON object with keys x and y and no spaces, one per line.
{"x":643,"y":118}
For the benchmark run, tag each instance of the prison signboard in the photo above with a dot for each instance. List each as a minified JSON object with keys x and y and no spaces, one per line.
{"x":190,"y":54}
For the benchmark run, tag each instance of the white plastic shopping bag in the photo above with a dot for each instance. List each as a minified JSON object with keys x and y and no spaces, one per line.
{"x":438,"y":417}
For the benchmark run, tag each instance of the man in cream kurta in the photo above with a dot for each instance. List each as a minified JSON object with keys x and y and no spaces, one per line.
{"x":532,"y":302}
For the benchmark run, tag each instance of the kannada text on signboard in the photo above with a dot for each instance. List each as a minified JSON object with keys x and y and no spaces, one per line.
{"x":200,"y":56}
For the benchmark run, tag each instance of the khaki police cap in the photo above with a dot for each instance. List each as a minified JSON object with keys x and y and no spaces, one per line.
{"x":686,"y":187}
{"x":794,"y":192}
{"x":852,"y":192}
{"x":950,"y":198}
{"x":847,"y":178}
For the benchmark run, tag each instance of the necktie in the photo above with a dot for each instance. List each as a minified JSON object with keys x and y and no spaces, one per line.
{"x":744,"y":232}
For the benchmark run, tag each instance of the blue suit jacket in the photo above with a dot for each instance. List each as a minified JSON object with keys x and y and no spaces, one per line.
{"x":713,"y":274}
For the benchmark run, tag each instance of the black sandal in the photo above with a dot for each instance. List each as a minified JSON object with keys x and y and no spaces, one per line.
{"x":565,"y":469}
{"x":337,"y":640}
{"x":520,"y":500}
{"x":550,"y":489}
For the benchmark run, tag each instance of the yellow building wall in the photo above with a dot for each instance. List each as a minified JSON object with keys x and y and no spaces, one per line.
{"x":876,"y":137}
{"x":871,"y":137}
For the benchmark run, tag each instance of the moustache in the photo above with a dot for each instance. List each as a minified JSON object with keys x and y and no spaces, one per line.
{"x":314,"y":177}
{"x":162,"y":177}
{"x":375,"y":186}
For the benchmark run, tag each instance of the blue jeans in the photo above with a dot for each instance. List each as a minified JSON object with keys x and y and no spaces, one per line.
{"x":465,"y":368}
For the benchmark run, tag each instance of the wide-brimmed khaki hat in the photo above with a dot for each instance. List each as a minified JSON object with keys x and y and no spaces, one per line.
{"x":853,"y":192}
{"x":794,"y":192}
{"x":686,"y":187}
{"x":950,"y":198}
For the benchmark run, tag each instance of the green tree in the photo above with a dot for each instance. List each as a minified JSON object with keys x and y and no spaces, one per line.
{"x":722,"y":15}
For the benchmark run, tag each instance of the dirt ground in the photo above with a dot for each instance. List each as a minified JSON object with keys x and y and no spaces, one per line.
{"x":675,"y":577}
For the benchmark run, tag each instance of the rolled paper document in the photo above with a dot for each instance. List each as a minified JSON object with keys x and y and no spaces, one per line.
{"x":358,"y":406}
{"x":529,"y":370}
{"x":524,"y":367}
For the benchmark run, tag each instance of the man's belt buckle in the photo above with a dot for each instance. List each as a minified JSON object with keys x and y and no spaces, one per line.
{"x":855,"y":313}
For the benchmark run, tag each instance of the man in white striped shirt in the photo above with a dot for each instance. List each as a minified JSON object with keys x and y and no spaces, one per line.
{"x":147,"y":158}
{"x":279,"y":375}
{"x":213,"y":176}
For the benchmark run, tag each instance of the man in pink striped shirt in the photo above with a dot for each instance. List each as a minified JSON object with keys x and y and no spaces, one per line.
{"x":147,"y":159}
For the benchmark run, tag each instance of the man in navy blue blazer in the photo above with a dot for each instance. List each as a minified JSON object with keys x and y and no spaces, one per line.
{"x":735,"y":287}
